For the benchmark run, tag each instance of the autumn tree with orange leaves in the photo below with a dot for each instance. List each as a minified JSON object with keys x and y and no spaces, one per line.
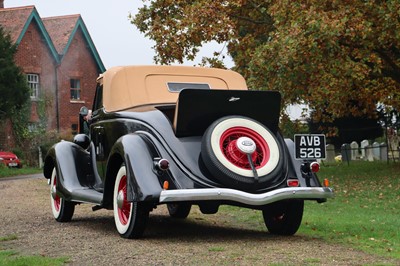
{"x":339,"y":57}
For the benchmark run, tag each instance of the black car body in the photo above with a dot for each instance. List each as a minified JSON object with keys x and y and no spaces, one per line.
{"x":181,"y":136}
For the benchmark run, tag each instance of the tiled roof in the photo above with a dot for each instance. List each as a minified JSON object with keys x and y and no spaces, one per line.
{"x":57,"y":31}
{"x":60,"y":30}
{"x":13,"y":20}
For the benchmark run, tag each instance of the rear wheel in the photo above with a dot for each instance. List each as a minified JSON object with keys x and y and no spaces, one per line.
{"x":240,"y":152}
{"x":62,"y":210}
{"x":179,"y":210}
{"x":283,"y":217}
{"x":130,"y":217}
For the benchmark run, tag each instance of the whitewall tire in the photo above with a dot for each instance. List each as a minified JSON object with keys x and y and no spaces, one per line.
{"x":62,"y":210}
{"x":234,"y":147}
{"x":130,"y":217}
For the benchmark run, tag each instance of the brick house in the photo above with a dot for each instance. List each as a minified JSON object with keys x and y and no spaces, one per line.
{"x":61,"y":64}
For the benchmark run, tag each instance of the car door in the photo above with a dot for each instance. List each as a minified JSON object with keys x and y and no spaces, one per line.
{"x":97,"y":132}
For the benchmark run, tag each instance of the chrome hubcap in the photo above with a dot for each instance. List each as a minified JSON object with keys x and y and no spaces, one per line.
{"x":246,"y":145}
{"x":120,"y":199}
{"x":53,"y":192}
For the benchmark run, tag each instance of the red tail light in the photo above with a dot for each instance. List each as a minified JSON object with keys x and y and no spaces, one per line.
{"x":314,"y":167}
{"x":163,"y":164}
{"x":160,"y":164}
{"x":292,"y":183}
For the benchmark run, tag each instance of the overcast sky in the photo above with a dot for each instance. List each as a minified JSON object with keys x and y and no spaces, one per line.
{"x":117,"y":41}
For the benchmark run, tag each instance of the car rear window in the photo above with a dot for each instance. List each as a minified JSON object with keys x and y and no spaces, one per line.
{"x":177,"y":86}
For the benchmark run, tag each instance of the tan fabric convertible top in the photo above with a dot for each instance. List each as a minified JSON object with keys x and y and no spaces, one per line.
{"x":130,"y":86}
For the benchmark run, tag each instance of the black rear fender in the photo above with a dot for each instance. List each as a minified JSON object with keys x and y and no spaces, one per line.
{"x":310,"y":181}
{"x":143,"y":183}
{"x":73,"y":167}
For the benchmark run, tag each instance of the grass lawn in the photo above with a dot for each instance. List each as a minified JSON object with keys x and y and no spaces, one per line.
{"x":10,"y":257}
{"x":366,"y":211}
{"x":365,"y":214}
{"x":6,"y":172}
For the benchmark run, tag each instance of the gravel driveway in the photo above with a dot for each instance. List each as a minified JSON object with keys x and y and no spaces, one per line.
{"x":91,"y":239}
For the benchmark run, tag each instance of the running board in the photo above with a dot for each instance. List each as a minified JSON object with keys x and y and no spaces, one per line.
{"x":87,"y":195}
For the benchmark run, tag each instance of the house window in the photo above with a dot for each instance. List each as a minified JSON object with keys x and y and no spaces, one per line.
{"x":75,"y":87}
{"x":33,"y":83}
{"x":74,"y":129}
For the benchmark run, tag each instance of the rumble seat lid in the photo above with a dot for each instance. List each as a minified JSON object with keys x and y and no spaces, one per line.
{"x":197,"y":109}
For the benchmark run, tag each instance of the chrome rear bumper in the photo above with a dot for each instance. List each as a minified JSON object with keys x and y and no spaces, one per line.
{"x":226,"y":194}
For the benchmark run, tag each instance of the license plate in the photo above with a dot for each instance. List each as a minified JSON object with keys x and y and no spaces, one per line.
{"x":12,"y":164}
{"x":310,"y":146}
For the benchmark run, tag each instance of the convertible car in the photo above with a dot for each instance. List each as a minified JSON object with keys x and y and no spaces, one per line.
{"x":183,"y":136}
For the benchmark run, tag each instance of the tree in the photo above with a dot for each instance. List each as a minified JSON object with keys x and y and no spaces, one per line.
{"x":14,"y":91}
{"x":339,"y":57}
{"x":180,"y":27}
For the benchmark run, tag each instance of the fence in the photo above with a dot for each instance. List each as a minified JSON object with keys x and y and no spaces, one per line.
{"x":367,"y":152}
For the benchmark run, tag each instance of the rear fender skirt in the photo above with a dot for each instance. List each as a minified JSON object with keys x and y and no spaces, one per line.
{"x":143,"y":182}
{"x":73,"y":167}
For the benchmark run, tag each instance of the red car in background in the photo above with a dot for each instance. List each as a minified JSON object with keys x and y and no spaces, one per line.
{"x":10,"y":159}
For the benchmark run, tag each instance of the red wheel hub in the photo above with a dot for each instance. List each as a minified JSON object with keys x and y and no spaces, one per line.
{"x":231,"y":152}
{"x":124,"y":207}
{"x":56,"y":198}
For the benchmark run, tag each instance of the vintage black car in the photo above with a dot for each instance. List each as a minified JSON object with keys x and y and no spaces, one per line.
{"x":183,"y":136}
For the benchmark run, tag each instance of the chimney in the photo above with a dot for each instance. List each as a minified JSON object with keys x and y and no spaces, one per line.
{"x":1,"y":3}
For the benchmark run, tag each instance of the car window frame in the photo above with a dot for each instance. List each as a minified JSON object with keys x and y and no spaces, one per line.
{"x":98,"y":100}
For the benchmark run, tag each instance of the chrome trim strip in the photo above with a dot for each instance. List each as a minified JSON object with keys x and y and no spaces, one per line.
{"x":244,"y":197}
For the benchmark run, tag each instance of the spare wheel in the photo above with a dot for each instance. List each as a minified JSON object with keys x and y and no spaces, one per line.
{"x":240,"y":151}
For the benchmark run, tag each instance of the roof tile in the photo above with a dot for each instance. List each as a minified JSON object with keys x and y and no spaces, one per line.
{"x":13,"y":20}
{"x":60,"y":29}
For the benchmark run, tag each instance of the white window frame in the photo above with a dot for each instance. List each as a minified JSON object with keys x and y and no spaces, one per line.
{"x":78,"y":89}
{"x":34,"y":85}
